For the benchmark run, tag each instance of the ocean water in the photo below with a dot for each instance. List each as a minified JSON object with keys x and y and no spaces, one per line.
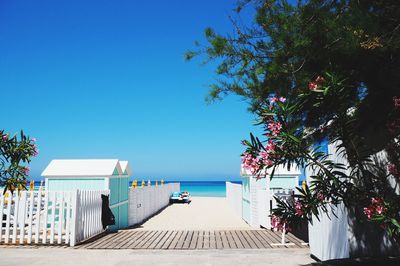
{"x":195,"y":188}
{"x":203,"y":188}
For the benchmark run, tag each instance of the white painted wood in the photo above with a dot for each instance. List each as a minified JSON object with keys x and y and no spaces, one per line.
{"x":234,"y":197}
{"x":15,"y":220}
{"x":145,"y":202}
{"x":45,"y":217}
{"x":9,"y":200}
{"x":60,"y":218}
{"x":22,"y":209}
{"x":38,"y":215}
{"x":1,"y":218}
{"x":53,"y":215}
{"x":30,"y":216}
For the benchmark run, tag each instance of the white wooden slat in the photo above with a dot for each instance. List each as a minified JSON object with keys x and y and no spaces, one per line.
{"x":53,"y":216}
{"x":68,"y":218}
{"x":74,"y":216}
{"x":9,"y":202}
{"x":38,"y":214}
{"x":60,"y":218}
{"x":15,"y":220}
{"x":45,"y":216}
{"x":23,"y":217}
{"x":1,"y":217}
{"x":30,"y":218}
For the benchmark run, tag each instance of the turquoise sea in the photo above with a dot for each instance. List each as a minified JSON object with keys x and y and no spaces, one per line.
{"x":203,"y":188}
{"x":195,"y":188}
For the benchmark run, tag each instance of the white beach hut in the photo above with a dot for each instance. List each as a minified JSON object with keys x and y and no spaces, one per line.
{"x":93,"y":174}
{"x":258,"y":194}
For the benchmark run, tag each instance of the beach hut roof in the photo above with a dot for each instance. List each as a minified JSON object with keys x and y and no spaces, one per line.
{"x":126,"y":169}
{"x":280,"y":170}
{"x":85,"y":167}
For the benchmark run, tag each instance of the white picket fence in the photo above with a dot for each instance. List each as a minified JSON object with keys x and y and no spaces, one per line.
{"x":38,"y":217}
{"x":146,"y":201}
{"x":234,"y":197}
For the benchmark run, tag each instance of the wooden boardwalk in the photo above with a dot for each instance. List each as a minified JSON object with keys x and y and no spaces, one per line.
{"x":192,"y":239}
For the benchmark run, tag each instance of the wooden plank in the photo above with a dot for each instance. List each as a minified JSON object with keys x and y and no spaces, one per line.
{"x":30,"y":220}
{"x":1,"y":216}
{"x":264,"y":242}
{"x":23,"y":217}
{"x":16,"y":213}
{"x":181,"y":240}
{"x":298,"y":242}
{"x":236,"y":239}
{"x":267,"y":235}
{"x":212,"y":240}
{"x":60,"y":218}
{"x":229,"y":237}
{"x":159,"y":239}
{"x":218,"y":240}
{"x":206,"y":240}
{"x":152,"y":239}
{"x":224,"y":239}
{"x":188,"y":239}
{"x":193,"y":242}
{"x":124,"y":241}
{"x":174,"y":240}
{"x":98,"y":242}
{"x":53,"y":219}
{"x":9,"y":202}
{"x":256,"y":242}
{"x":243,"y":239}
{"x":200,"y":240}
{"x":37,"y":223}
{"x":145,"y":239}
{"x":136,"y":239}
{"x":114,"y":241}
{"x":164,"y":240}
{"x":45,"y":217}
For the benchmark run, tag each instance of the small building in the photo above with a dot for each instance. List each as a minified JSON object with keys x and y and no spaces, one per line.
{"x":257,"y":194}
{"x":93,"y":174}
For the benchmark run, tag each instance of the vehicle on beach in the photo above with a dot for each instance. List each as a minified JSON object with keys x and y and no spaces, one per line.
{"x":180,"y":197}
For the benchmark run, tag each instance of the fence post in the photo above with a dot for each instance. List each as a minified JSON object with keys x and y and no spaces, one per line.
{"x":74,"y":218}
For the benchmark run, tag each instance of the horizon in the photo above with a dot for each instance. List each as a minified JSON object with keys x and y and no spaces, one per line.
{"x":108,"y":80}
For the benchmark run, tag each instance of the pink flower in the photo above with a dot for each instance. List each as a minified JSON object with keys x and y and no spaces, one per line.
{"x":396,"y":100}
{"x":319,"y":79}
{"x":250,"y":163}
{"x":5,"y":137}
{"x":273,"y":99}
{"x":33,"y":139}
{"x":392,"y":168}
{"x":312,"y":86}
{"x":376,"y":207}
{"x":270,"y":147}
{"x":26,"y":170}
{"x":320,"y":196}
{"x":274,"y":128}
{"x":299,"y":208}
{"x":282,"y":99}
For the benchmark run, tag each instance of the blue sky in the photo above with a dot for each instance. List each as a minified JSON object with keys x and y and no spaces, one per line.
{"x":107,"y":79}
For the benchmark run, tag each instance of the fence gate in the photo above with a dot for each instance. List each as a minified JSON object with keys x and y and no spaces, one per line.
{"x":43,"y":217}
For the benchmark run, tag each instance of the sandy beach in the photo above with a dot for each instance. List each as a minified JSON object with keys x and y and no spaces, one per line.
{"x":203,"y":213}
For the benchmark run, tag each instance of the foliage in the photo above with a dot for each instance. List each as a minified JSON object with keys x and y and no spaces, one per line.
{"x":337,"y":63}
{"x":15,"y":153}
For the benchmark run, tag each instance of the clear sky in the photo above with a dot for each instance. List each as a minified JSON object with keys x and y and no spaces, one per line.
{"x":107,"y":79}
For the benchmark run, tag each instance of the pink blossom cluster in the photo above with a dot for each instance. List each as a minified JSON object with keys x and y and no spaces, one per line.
{"x":278,"y":223}
{"x":274,"y":127}
{"x":396,"y":101}
{"x":264,"y":156}
{"x":4,"y":137}
{"x":313,"y":85}
{"x":299,"y":207}
{"x":376,"y":207}
{"x":320,"y":196}
{"x":34,"y":147}
{"x":26,"y":170}
{"x":250,"y":163}
{"x":275,"y":99}
{"x":392,"y":168}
